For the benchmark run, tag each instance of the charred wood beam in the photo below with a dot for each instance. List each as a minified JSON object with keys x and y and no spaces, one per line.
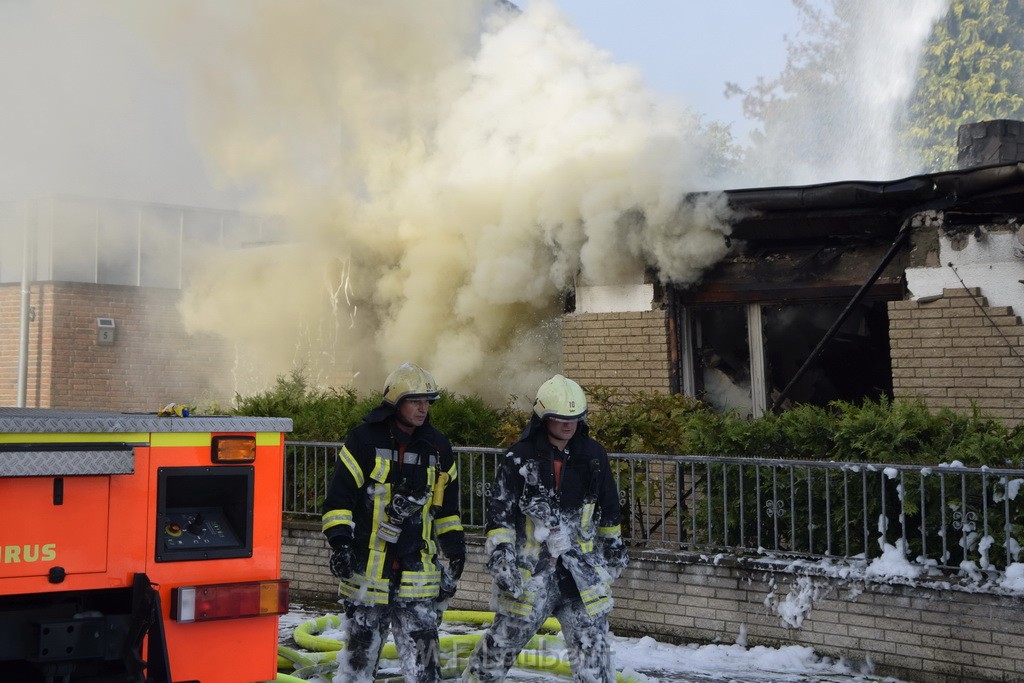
{"x":897,"y":244}
{"x":760,"y":292}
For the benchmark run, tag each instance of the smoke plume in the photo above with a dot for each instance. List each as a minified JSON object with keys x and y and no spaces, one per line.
{"x":448,"y":170}
{"x":445,"y":171}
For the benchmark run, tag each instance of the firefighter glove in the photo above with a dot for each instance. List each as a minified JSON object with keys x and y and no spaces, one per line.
{"x":341,"y":560}
{"x":502,"y":567}
{"x":456,"y":563}
{"x":614,"y":552}
{"x":448,"y":585}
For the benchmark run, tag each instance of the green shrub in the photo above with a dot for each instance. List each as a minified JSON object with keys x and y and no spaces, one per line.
{"x":882,"y":431}
{"x":317,"y":414}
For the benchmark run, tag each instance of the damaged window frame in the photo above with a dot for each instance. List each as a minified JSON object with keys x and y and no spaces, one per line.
{"x":769,"y":356}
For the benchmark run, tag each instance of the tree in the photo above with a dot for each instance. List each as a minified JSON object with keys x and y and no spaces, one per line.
{"x":972,"y":70}
{"x":792,"y":106}
{"x":875,"y":88}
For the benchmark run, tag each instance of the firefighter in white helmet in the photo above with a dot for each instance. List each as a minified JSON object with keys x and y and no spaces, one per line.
{"x":389,"y":509}
{"x":554,"y":540}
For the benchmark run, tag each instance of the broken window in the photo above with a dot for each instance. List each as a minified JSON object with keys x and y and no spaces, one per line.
{"x":744,"y":356}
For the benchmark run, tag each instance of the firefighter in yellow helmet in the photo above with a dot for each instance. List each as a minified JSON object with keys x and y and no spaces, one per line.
{"x":554,"y":540}
{"x":390,"y":507}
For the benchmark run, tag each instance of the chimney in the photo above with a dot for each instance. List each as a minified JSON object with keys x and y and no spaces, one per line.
{"x":999,"y":141}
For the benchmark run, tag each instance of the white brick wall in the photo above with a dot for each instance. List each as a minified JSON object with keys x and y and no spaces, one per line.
{"x":925,"y":634}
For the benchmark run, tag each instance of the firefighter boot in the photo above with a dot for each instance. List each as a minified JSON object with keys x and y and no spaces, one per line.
{"x":496,"y":652}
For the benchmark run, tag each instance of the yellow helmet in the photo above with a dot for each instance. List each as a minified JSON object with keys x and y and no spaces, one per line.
{"x":560,"y":398}
{"x":409,"y":381}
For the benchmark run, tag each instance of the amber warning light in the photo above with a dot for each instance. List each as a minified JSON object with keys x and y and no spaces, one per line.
{"x":234,"y":449}
{"x":229,"y":601}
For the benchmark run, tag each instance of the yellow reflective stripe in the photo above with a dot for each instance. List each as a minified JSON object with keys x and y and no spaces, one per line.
{"x":269,"y":438}
{"x":525,"y":604}
{"x":161,"y":439}
{"x":381,"y":468}
{"x":500,"y":535}
{"x":446,"y":524}
{"x":362,"y":588}
{"x":531,"y":548}
{"x":587,"y":518}
{"x":597,"y":597}
{"x":596,"y":606}
{"x":586,"y":546}
{"x":429,"y":548}
{"x":349,"y":461}
{"x":423,"y":584}
{"x":378,"y":547}
{"x":333,"y":518}
{"x":453,"y":473}
{"x":609,"y":531}
{"x":515,"y":607}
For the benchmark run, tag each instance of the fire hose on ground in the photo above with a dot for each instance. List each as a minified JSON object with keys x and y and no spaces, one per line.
{"x":321,"y":660}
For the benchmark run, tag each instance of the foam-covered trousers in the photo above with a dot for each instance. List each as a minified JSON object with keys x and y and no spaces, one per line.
{"x":586,"y":638}
{"x":413,"y":624}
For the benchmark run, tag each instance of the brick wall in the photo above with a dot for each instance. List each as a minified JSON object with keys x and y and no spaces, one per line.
{"x":958,"y":352}
{"x":626,"y":350}
{"x":918,"y":633}
{"x":153,"y":360}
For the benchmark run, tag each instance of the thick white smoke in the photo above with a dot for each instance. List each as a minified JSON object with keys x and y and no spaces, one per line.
{"x":449,"y":170}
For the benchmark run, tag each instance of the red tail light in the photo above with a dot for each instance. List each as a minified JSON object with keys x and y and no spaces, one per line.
{"x":229,"y":600}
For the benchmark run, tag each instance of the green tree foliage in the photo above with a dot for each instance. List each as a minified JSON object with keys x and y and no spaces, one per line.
{"x":972,"y":70}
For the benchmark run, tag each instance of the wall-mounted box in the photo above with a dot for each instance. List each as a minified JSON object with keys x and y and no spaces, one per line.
{"x":105,"y":328}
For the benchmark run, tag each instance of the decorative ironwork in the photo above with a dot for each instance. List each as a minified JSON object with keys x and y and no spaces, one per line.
{"x":775,"y":508}
{"x":708,"y":504}
{"x":965,"y":520}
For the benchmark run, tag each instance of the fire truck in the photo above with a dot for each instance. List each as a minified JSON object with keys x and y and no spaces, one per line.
{"x":135,"y":547}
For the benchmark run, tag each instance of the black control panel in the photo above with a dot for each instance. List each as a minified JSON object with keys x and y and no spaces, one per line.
{"x":198,"y":528}
{"x":204,"y":513}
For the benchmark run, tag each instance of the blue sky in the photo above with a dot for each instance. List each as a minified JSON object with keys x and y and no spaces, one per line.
{"x":688,"y":49}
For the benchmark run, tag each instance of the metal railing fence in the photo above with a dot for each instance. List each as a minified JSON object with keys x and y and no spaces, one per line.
{"x":946,"y":517}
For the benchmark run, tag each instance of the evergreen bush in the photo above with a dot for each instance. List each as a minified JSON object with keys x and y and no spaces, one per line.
{"x":882,"y":431}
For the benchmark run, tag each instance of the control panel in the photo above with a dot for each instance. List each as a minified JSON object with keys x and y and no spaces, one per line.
{"x":198,"y":528}
{"x":204,"y":513}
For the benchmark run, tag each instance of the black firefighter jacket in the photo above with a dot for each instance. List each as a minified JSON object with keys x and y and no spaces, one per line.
{"x":378,"y":463}
{"x":527,"y":510}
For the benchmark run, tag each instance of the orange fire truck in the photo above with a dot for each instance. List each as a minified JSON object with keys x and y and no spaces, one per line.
{"x":140,"y":548}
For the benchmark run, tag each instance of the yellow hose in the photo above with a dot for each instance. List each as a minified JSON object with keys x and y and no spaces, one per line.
{"x":325,"y":649}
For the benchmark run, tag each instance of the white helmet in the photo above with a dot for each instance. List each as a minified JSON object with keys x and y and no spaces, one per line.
{"x":409,"y":381}
{"x":560,"y":398}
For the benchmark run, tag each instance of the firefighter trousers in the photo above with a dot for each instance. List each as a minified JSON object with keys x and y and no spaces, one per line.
{"x":413,"y":624}
{"x":586,"y":638}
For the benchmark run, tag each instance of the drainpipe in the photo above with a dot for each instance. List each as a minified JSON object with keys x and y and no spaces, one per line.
{"x":25,"y":313}
{"x":901,"y":237}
